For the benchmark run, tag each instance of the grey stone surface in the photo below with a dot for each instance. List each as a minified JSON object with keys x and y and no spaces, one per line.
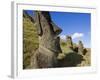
{"x":49,"y":42}
{"x":80,"y":48}
{"x":69,"y":42}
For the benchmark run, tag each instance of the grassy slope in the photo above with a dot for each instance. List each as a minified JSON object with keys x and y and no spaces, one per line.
{"x":30,"y":44}
{"x":30,"y":41}
{"x":66,"y":51}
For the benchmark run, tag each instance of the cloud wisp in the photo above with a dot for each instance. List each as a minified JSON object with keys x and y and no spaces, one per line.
{"x":63,"y":37}
{"x":77,"y":35}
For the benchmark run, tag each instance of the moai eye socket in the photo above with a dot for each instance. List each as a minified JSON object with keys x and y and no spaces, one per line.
{"x":57,"y":30}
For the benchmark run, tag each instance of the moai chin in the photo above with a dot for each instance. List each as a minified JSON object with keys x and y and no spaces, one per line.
{"x":80,"y":48}
{"x":69,"y":42}
{"x":49,"y":41}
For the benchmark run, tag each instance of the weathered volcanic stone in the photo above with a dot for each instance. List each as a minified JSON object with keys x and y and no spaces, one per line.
{"x":49,"y":42}
{"x":69,"y":42}
{"x":80,"y":48}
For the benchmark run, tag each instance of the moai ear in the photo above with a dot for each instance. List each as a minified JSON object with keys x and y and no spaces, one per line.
{"x":57,"y":30}
{"x":38,"y":23}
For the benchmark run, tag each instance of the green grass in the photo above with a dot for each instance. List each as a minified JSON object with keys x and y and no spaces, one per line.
{"x":64,"y":47}
{"x":30,"y":41}
{"x":73,"y":57}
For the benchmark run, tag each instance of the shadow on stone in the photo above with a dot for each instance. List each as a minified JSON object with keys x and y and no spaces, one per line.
{"x":84,"y":51}
{"x":71,"y":60}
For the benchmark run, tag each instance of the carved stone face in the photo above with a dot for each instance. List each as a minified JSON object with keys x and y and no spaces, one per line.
{"x":48,"y":32}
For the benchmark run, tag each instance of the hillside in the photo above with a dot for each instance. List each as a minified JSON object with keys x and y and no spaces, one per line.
{"x":30,"y":39}
{"x":70,"y":57}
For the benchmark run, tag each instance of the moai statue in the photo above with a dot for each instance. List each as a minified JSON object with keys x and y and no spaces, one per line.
{"x":69,"y":42}
{"x":49,"y":42}
{"x":80,"y":48}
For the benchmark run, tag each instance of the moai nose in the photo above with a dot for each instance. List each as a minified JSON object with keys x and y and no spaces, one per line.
{"x":57,"y":30}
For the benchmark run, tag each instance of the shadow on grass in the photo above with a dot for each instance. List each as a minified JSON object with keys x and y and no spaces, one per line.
{"x":70,"y":60}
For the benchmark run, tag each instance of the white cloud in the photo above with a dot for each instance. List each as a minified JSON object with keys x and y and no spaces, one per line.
{"x":63,"y":37}
{"x":77,"y":35}
{"x":74,"y":36}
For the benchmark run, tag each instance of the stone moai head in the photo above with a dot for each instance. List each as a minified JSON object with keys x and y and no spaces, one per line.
{"x":48,"y":31}
{"x":80,"y":47}
{"x":81,"y":44}
{"x":69,"y":42}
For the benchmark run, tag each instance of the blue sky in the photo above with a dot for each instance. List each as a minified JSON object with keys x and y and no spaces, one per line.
{"x":77,"y":25}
